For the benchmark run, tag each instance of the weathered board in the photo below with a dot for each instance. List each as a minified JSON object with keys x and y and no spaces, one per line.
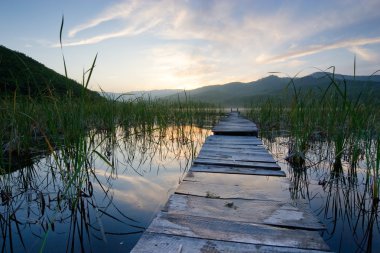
{"x":234,"y":124}
{"x":237,"y":163}
{"x":234,"y":186}
{"x":234,"y":149}
{"x":238,"y":140}
{"x":163,"y":243}
{"x":217,"y":229}
{"x":236,"y":179}
{"x":289,"y":214}
{"x":236,"y":170}
{"x":237,"y":156}
{"x":233,"y":146}
{"x":229,"y":191}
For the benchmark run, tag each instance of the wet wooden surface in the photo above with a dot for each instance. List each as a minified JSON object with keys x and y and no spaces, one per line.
{"x":233,"y":231}
{"x":234,"y":198}
{"x":244,"y":151}
{"x":236,"y":170}
{"x":287,"y":214}
{"x":164,"y":243}
{"x":235,"y":124}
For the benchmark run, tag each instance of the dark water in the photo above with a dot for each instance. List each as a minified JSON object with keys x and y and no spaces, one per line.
{"x":105,"y":206}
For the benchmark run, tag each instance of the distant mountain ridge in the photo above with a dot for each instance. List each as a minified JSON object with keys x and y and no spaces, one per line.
{"x":239,"y":94}
{"x":272,"y":86}
{"x":371,"y":78}
{"x":25,"y":76}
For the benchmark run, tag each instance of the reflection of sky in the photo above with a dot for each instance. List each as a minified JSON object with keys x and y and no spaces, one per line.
{"x":146,"y":172}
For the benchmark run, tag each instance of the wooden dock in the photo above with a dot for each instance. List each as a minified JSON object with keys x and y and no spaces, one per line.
{"x":235,"y":125}
{"x":235,"y":198}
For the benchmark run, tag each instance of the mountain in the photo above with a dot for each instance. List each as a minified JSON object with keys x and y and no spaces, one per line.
{"x":373,"y":78}
{"x":27,"y":76}
{"x":239,"y":94}
{"x":152,"y":94}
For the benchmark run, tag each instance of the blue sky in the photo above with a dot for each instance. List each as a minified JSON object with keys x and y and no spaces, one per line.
{"x":153,"y":44}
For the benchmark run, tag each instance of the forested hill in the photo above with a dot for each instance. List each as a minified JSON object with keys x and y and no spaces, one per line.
{"x":27,"y":76}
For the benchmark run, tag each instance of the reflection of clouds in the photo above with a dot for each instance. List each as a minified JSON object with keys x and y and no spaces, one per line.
{"x":161,"y":152}
{"x":164,"y":155}
{"x":142,"y":193}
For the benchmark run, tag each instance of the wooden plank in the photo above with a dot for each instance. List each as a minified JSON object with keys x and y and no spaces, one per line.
{"x":237,"y":163}
{"x":228,"y":191}
{"x":289,"y":214}
{"x":236,"y":125}
{"x":234,"y":139}
{"x":236,"y":156}
{"x":236,"y":170}
{"x":163,"y":243}
{"x":234,"y":149}
{"x":233,"y":142}
{"x":234,"y":186}
{"x":258,"y":151}
{"x":216,"y":229}
{"x":244,"y":180}
{"x":232,"y":146}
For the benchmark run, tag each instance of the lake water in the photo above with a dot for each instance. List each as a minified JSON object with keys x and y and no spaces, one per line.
{"x":106,"y":206}
{"x":342,"y":201}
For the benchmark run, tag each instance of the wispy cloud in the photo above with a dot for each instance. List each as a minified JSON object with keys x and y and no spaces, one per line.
{"x":129,"y":31}
{"x":364,"y":54}
{"x":121,"y":10}
{"x":218,"y":22}
{"x":190,"y":43}
{"x":349,"y":44}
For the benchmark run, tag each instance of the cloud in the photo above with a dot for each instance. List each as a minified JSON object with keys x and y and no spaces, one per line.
{"x":350,"y":44}
{"x":193,"y":43}
{"x":129,"y":31}
{"x":117,"y":11}
{"x":223,"y":22}
{"x":364,"y":54}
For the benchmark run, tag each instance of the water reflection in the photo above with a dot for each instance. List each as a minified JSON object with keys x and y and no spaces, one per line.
{"x":124,"y":178}
{"x":345,"y":200}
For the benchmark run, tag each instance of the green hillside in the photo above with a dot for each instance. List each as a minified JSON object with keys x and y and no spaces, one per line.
{"x":26,"y":76}
{"x":239,"y":94}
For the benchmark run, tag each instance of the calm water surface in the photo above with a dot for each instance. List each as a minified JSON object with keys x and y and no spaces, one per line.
{"x":106,"y":206}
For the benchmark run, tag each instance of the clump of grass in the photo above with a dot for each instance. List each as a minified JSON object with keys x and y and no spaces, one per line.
{"x":331,"y":115}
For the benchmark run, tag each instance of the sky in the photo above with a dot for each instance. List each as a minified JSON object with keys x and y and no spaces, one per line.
{"x":186,"y":44}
